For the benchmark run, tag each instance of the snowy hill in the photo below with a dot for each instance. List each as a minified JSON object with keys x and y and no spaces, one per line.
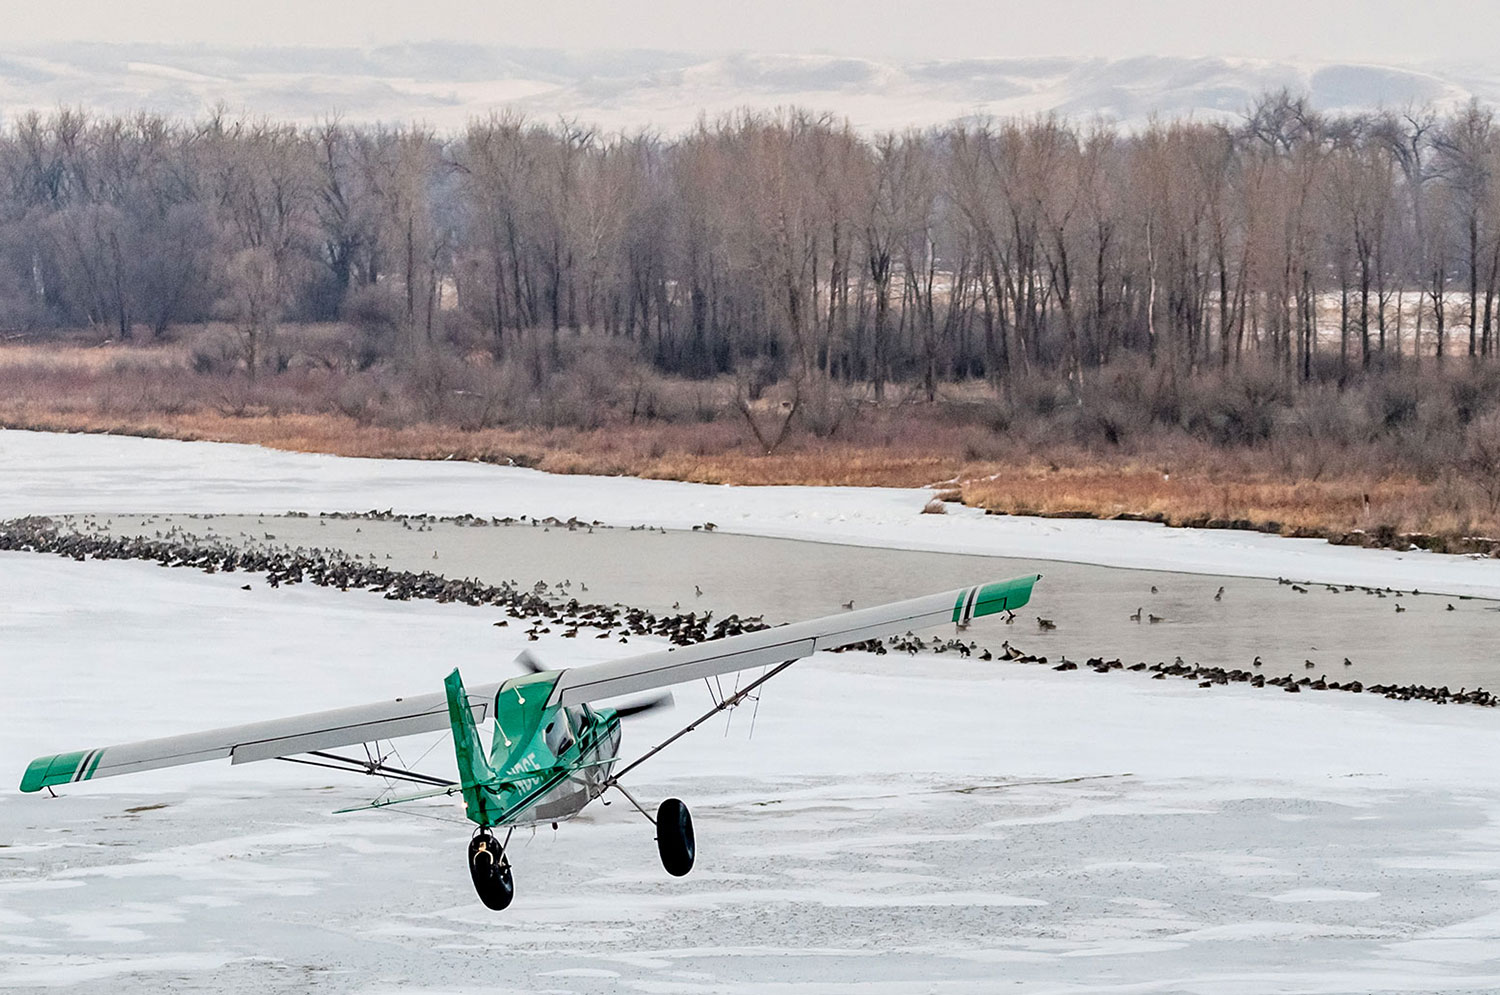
{"x":445,"y":84}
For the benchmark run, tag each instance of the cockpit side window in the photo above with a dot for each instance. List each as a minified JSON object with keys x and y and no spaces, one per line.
{"x":557,"y":734}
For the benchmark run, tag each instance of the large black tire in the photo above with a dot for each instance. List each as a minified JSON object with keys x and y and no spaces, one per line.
{"x":490,"y":871}
{"x":674,"y":837}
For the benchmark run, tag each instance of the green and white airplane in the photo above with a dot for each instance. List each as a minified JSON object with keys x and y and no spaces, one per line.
{"x":551,"y":752}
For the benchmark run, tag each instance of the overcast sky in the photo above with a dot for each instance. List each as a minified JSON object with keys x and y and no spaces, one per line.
{"x":1349,"y":30}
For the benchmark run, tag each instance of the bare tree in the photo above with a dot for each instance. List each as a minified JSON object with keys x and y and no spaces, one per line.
{"x":252,"y":304}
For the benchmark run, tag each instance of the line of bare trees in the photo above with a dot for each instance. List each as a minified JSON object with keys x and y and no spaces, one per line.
{"x":786,"y":243}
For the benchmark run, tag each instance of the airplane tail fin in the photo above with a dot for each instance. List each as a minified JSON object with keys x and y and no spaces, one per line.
{"x":476,"y":776}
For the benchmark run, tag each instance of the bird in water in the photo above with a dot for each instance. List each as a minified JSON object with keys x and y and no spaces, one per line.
{"x":1348,"y":662}
{"x":1153,"y":619}
{"x":1308,"y":664}
{"x":1045,"y":623}
{"x":848,"y":606}
{"x":1219,"y":595}
{"x":1255,"y":662}
{"x":1153,"y":588}
{"x":1399,"y":608}
{"x":1451,"y":608}
{"x":1137,"y":616}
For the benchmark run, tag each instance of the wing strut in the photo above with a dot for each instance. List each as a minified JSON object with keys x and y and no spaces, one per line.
{"x":333,"y":761}
{"x":721,"y":706}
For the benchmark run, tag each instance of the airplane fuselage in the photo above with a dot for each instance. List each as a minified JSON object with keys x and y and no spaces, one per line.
{"x":565,"y":767}
{"x":544,"y":762}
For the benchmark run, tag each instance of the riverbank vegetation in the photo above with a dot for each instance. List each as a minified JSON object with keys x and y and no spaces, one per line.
{"x":1389,"y":461}
{"x":1286,"y":322}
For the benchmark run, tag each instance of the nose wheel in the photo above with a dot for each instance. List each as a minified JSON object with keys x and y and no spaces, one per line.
{"x":674,"y":837}
{"x":490,"y":871}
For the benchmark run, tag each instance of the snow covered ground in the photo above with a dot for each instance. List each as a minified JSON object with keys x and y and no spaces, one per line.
{"x":926,"y":824}
{"x":44,"y":473}
{"x":894,"y":825}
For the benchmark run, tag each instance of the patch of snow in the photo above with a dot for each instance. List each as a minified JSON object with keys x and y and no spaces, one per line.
{"x":1324,"y":895}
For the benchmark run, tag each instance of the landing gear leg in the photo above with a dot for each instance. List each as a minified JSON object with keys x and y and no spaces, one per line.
{"x":674,"y":831}
{"x":490,"y":871}
{"x":674,"y":837}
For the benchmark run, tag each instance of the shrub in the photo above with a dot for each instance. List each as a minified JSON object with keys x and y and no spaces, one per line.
{"x":375,"y":312}
{"x":216,"y":355}
{"x":1393,"y":402}
{"x":1481,"y":458}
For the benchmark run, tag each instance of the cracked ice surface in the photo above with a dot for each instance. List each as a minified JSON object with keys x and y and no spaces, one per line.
{"x":895,"y":824}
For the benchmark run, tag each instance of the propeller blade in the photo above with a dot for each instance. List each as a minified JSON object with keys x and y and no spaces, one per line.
{"x":641,"y":707}
{"x":527,"y":661}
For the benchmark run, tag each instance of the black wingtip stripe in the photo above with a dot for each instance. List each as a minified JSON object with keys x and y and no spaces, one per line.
{"x":83,"y":765}
{"x":968,"y":615}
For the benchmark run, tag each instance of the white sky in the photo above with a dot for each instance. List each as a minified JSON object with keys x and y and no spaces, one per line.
{"x":1393,"y":31}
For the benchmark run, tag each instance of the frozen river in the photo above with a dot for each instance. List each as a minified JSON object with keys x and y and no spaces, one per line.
{"x":895,"y":824}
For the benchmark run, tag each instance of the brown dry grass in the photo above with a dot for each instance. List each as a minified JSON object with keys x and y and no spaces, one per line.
{"x":1026,"y":469}
{"x":718,"y":454}
{"x":711,"y":454}
{"x":1196,"y":496}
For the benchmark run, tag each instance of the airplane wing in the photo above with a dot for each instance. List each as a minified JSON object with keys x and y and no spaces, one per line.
{"x":429,"y":712}
{"x":261,"y":740}
{"x":786,"y":642}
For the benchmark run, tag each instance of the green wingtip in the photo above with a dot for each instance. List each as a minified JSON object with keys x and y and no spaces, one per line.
{"x":57,"y":769}
{"x":1006,"y":595}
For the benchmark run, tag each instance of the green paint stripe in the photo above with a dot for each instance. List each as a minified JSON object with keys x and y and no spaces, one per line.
{"x":958,"y":606}
{"x":95,"y":765}
{"x":535,"y":795}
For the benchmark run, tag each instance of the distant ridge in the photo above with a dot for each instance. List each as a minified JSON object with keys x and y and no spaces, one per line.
{"x":445,"y":84}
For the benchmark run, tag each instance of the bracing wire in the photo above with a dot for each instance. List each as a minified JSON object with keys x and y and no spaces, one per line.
{"x":756,"y":710}
{"x":729,"y":715}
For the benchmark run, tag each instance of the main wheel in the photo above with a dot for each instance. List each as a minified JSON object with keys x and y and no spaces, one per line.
{"x":490,"y":872}
{"x":674,"y":837}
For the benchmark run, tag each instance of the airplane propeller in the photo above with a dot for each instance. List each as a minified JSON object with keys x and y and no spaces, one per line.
{"x":529,"y":662}
{"x":641,"y":707}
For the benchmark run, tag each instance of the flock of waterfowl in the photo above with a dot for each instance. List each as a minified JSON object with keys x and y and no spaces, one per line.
{"x":547,"y":608}
{"x":1379,"y":592}
{"x":555,"y":609}
{"x":1210,"y":676}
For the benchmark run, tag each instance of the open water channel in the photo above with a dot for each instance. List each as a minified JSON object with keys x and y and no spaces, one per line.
{"x":786,"y":580}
